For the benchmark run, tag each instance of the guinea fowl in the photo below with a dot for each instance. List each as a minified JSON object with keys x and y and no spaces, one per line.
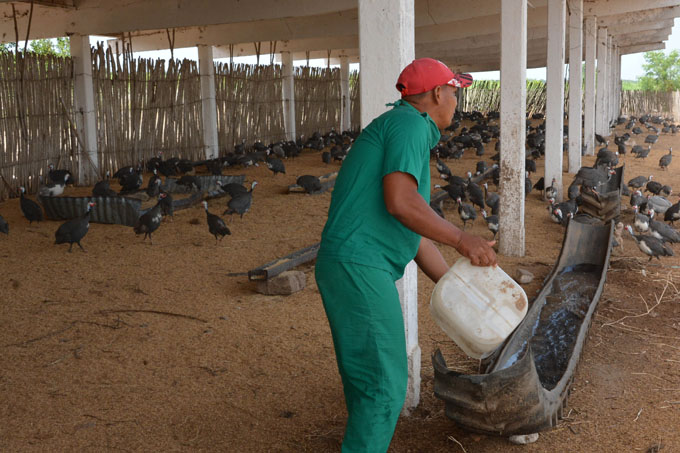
{"x":103,"y":189}
{"x":651,"y":138}
{"x":641,"y":222}
{"x":672,"y":214}
{"x":491,"y":223}
{"x":665,"y":160}
{"x":32,"y":210}
{"x":653,"y":186}
{"x":326,"y":157}
{"x":480,"y":168}
{"x":643,"y":153}
{"x":130,"y":182}
{"x":492,"y":200}
{"x":190,"y":182}
{"x":467,"y":212}
{"x":154,"y":188}
{"x":59,"y":176}
{"x":527,"y":184}
{"x":167,"y":207}
{"x":658,"y":204}
{"x":443,"y":169}
{"x":232,"y":189}
{"x":650,"y":245}
{"x":636,"y":198}
{"x":551,"y":191}
{"x":216,"y":225}
{"x":4,"y":226}
{"x":241,"y":204}
{"x":639,"y":181}
{"x":310,"y":183}
{"x":53,"y":189}
{"x":72,"y":231}
{"x":150,"y":220}
{"x":474,"y":192}
{"x":540,"y":184}
{"x":664,"y":232}
{"x":607,"y":158}
{"x":600,"y":139}
{"x":437,"y":207}
{"x":275,"y":165}
{"x":455,"y":191}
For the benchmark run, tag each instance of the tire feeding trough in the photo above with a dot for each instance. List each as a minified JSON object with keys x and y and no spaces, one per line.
{"x":525,"y":383}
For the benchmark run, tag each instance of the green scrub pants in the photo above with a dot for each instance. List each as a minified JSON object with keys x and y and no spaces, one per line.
{"x":364,"y":313}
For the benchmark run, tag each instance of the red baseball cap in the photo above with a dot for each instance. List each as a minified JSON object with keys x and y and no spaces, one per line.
{"x":425,"y":74}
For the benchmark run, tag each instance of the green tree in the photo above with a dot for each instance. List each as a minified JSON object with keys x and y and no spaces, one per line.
{"x":662,"y":72}
{"x":59,"y":47}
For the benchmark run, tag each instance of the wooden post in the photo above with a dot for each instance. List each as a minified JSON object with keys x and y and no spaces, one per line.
{"x":554,"y":118}
{"x":86,"y":118}
{"x":590,"y":25}
{"x":575,"y":81}
{"x":513,"y":125}
{"x":383,"y":52}
{"x":288,"y":95}
{"x":206,"y":69}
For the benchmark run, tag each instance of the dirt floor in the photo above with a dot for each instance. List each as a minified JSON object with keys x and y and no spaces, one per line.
{"x":138,"y":347}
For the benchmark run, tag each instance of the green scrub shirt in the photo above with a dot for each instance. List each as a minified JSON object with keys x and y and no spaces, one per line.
{"x":359,"y":228}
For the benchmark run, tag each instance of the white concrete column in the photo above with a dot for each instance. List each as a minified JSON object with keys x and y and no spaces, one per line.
{"x":601,"y":78}
{"x":84,"y":107}
{"x":617,"y":111}
{"x":554,"y":108}
{"x":513,"y":125}
{"x":386,"y":46}
{"x":609,"y":83}
{"x":288,"y":95}
{"x":575,"y":82}
{"x":345,"y":113}
{"x":590,"y":26}
{"x":206,"y":71}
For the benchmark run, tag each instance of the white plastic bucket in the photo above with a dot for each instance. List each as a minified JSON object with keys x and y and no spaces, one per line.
{"x":478,"y":307}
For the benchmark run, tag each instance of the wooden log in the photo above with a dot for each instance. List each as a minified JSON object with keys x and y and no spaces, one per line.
{"x":274,"y":268}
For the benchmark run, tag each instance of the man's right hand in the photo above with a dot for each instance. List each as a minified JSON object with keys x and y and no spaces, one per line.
{"x":477,"y":249}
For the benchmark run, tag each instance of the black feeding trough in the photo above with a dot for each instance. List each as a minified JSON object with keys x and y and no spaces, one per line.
{"x":525,"y":383}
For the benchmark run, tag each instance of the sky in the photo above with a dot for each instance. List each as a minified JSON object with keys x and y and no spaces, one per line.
{"x":631,"y":65}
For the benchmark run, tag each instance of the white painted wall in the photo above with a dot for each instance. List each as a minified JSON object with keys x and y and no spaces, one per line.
{"x":85,"y":114}
{"x":513,"y":125}
{"x":554,"y":118}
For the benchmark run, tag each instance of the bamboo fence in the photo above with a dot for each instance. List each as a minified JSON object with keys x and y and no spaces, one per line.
{"x":665,"y":103}
{"x":144,"y":107}
{"x":249,"y":104}
{"x":317,"y":100}
{"x":33,"y":130}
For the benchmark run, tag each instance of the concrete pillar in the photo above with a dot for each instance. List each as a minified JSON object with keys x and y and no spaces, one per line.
{"x":346,"y":102}
{"x":554,"y":108}
{"x":590,"y":26}
{"x":84,"y":107}
{"x":206,"y":71}
{"x":513,"y":125}
{"x":609,"y":83}
{"x":575,"y":82}
{"x":386,"y":46}
{"x":617,"y":111}
{"x":288,"y":95}
{"x":601,"y":78}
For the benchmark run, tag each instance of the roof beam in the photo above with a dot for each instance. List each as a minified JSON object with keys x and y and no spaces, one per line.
{"x":104,"y":17}
{"x":650,"y":15}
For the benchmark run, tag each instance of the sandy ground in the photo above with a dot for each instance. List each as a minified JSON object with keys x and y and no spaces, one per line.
{"x":133,"y":347}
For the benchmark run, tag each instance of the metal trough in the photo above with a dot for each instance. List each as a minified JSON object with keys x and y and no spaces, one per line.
{"x":526,"y":381}
{"x":605,"y":203}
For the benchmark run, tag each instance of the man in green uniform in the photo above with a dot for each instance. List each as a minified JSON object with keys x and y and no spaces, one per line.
{"x":378,"y":221}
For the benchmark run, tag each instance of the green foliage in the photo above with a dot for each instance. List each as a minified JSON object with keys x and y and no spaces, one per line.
{"x":59,"y":47}
{"x":630,"y":85}
{"x":662,"y":72}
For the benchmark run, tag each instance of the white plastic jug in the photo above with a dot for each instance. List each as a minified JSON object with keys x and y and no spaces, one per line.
{"x":478,"y":307}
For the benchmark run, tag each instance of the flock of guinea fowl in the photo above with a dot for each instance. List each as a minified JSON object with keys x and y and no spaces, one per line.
{"x":649,"y":199}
